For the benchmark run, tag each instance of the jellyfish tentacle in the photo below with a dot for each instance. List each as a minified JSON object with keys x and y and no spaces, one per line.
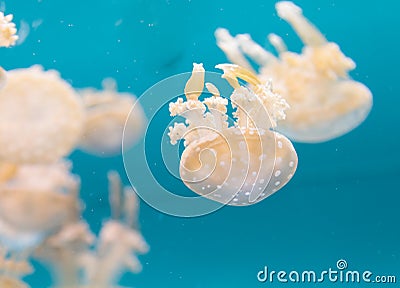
{"x":109,"y":84}
{"x":195,"y":85}
{"x":217,"y":106}
{"x":255,"y":104}
{"x":254,"y":51}
{"x":131,"y":207}
{"x":277,"y":42}
{"x":239,"y":72}
{"x":115,"y":197}
{"x":231,"y":47}
{"x":308,"y":33}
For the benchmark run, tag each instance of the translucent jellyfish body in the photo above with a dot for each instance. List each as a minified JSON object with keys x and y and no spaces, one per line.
{"x":106,"y":114}
{"x":325,"y":102}
{"x":41,"y":117}
{"x":3,"y":77}
{"x":82,"y":260}
{"x":12,"y":268}
{"x":238,"y":164}
{"x":8,"y":31}
{"x":34,"y":200}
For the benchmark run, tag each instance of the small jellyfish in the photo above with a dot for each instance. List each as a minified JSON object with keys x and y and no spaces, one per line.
{"x":325,"y":102}
{"x":41,"y":117}
{"x":35,"y":199}
{"x":106,"y":114}
{"x":238,"y":164}
{"x":8,"y":31}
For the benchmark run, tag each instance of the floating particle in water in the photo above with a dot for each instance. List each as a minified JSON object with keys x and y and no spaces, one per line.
{"x":8,"y":31}
{"x":106,"y":113}
{"x":41,"y":117}
{"x":239,"y":164}
{"x":325,"y":102}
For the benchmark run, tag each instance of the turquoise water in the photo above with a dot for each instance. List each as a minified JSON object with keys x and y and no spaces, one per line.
{"x":343,"y":202}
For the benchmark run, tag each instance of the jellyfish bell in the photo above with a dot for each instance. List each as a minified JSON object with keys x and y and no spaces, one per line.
{"x":106,"y":114}
{"x":16,"y":240}
{"x":325,"y":102}
{"x":41,"y":117}
{"x":38,"y":197}
{"x":236,"y":165}
{"x":246,"y":168}
{"x":35,"y":200}
{"x":346,"y":106}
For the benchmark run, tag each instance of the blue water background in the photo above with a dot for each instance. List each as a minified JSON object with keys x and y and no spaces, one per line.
{"x":344,"y":199}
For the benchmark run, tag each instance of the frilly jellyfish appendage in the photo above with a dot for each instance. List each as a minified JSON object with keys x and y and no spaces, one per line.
{"x":81,"y":259}
{"x":8,"y":31}
{"x":325,"y":102}
{"x":12,"y":269}
{"x":236,"y":165}
{"x":106,"y":114}
{"x":41,"y":117}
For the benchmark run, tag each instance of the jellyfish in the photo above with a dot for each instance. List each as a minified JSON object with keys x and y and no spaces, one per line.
{"x":8,"y":38}
{"x":8,"y":31}
{"x":41,"y":117}
{"x":239,"y":164}
{"x":325,"y":102}
{"x":106,"y":114}
{"x":80,"y":259}
{"x":35,"y":200}
{"x":12,"y":269}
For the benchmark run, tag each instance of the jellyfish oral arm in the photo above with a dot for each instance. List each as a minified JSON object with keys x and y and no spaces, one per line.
{"x":308,"y":33}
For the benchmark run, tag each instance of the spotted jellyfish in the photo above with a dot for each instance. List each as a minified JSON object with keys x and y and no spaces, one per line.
{"x":239,"y":164}
{"x":325,"y":102}
{"x":41,"y":117}
{"x":106,"y":113}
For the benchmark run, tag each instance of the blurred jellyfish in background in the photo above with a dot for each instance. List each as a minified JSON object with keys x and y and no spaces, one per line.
{"x":54,"y":119}
{"x":79,"y":259}
{"x":12,"y":269}
{"x":238,"y":164}
{"x":325,"y":102}
{"x":41,"y":117}
{"x":106,"y":113}
{"x":35,"y":201}
{"x":42,"y":120}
